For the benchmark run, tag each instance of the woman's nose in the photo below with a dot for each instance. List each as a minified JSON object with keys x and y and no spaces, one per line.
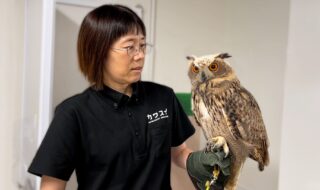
{"x":139,"y":55}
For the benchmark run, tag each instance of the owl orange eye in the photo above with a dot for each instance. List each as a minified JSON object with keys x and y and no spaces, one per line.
{"x":213,"y":67}
{"x":195,"y":69}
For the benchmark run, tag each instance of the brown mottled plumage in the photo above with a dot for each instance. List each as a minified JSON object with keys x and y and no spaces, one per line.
{"x":228,"y":114}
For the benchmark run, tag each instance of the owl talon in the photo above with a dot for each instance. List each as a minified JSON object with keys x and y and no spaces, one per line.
{"x":216,"y":143}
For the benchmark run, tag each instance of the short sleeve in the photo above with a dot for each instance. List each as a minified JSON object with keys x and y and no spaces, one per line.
{"x":182,"y":128}
{"x":57,"y":154}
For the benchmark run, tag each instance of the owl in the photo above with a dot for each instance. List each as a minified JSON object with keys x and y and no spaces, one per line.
{"x":227,"y":113}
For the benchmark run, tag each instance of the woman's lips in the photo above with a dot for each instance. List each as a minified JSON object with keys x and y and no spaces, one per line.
{"x":137,"y":69}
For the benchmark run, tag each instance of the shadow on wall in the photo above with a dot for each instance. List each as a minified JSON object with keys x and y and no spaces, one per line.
{"x":67,"y":78}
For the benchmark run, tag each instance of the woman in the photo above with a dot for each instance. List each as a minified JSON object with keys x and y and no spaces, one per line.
{"x":120,"y":133}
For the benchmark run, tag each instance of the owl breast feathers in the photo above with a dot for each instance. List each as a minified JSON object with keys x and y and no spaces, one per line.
{"x":223,"y":108}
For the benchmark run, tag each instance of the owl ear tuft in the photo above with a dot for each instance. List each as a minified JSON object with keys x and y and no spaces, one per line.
{"x":223,"y":55}
{"x":191,"y":57}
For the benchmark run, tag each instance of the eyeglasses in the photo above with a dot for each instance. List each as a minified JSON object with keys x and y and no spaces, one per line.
{"x":134,"y":50}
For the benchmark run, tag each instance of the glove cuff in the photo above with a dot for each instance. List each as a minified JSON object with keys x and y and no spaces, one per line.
{"x":193,"y":180}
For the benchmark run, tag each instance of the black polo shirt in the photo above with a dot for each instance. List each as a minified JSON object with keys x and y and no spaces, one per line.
{"x":114,"y":141}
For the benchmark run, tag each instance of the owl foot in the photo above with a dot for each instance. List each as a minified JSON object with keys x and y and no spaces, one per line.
{"x":217,"y":143}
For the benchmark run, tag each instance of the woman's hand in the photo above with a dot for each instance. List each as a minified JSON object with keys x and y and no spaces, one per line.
{"x":201,"y":164}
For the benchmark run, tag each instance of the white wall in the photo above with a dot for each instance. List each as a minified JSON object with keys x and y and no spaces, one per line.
{"x":11,"y":64}
{"x":254,"y":33}
{"x":299,"y":168}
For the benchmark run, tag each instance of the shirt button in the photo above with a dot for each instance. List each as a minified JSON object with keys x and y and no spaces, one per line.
{"x":136,"y":133}
{"x":129,"y":114}
{"x":115,"y":105}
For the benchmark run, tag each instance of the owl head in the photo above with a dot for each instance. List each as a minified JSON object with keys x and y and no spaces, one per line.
{"x":211,"y":68}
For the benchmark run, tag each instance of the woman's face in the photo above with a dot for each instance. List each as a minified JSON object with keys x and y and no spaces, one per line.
{"x":125,"y":61}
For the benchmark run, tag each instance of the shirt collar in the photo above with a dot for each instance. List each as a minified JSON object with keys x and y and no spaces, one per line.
{"x":119,"y":98}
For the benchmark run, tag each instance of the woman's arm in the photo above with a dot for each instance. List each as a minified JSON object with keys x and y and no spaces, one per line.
{"x":180,"y":154}
{"x":51,"y":183}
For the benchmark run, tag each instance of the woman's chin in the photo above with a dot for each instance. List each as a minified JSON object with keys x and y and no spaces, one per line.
{"x":135,"y":79}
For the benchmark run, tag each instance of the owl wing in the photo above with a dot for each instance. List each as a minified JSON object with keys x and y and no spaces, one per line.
{"x":202,"y":115}
{"x":247,"y":124}
{"x":195,"y":100}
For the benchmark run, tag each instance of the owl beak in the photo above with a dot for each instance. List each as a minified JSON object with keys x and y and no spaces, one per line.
{"x":203,"y":77}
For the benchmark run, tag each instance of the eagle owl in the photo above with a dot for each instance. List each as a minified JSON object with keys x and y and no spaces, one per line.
{"x":227,"y":113}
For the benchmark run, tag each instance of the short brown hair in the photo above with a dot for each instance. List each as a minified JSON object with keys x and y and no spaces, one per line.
{"x":98,"y":31}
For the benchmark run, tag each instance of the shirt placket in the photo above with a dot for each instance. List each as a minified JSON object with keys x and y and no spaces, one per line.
{"x":139,"y":143}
